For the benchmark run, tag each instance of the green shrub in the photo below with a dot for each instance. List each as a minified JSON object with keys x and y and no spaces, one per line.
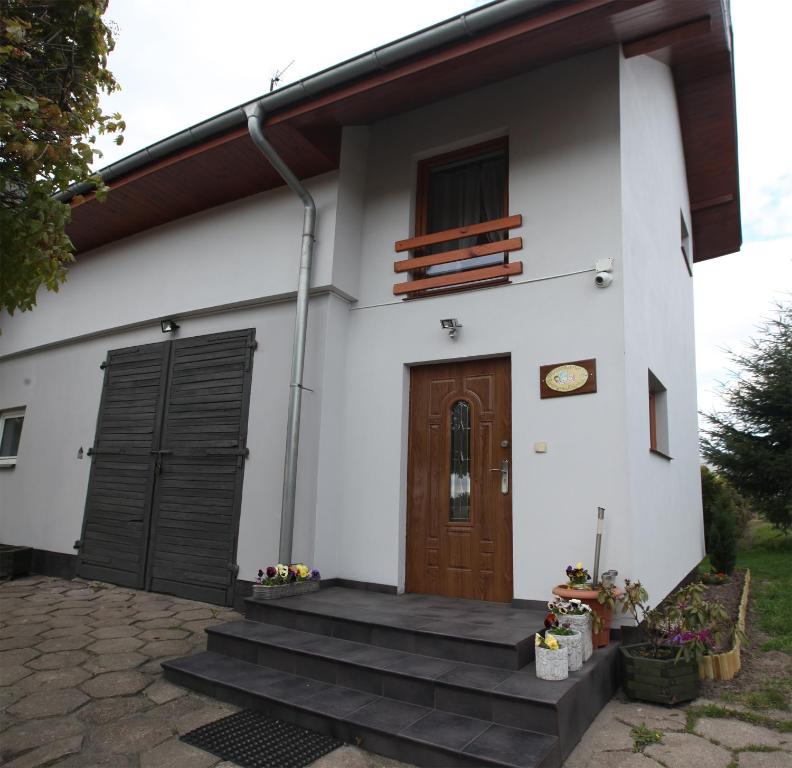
{"x":723,"y":534}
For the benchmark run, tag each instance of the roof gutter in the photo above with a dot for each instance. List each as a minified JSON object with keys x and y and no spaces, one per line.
{"x":255,"y":120}
{"x":389,"y":55}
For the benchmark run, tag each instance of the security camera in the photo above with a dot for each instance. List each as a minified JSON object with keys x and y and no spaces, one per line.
{"x":603,"y":279}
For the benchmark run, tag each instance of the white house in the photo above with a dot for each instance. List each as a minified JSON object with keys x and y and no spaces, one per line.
{"x":431,"y":459}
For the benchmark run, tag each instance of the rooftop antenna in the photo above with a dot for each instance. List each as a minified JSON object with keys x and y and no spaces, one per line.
{"x":276,"y":78}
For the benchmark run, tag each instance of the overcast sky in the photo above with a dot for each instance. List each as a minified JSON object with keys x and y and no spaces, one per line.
{"x":181,"y":61}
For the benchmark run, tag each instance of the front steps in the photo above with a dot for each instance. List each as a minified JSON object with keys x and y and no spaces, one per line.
{"x":394,"y":675}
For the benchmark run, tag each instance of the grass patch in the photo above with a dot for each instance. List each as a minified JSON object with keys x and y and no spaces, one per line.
{"x":768,"y":557}
{"x":769,"y":697}
{"x":642,"y":737}
{"x":694,"y":714}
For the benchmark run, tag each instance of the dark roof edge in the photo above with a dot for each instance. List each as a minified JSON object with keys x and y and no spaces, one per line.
{"x":467,"y":24}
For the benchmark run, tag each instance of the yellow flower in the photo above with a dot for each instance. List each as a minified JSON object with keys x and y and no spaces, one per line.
{"x":302,"y":571}
{"x":551,"y":642}
{"x":579,"y":566}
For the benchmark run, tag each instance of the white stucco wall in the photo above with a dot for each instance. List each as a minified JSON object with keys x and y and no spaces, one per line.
{"x":42,"y":499}
{"x":234,"y":253}
{"x":563,"y":129}
{"x":665,"y":496}
{"x":589,"y":138}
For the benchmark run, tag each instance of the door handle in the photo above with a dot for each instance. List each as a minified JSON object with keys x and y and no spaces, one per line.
{"x":504,"y":473}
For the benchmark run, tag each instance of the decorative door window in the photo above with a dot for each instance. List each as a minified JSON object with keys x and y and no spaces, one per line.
{"x":460,"y":462}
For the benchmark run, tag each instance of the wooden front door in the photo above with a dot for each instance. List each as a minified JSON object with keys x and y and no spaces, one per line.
{"x":459,"y":522}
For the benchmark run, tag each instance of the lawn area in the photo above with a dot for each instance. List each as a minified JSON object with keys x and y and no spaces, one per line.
{"x":764,"y":685}
{"x":768,"y":553}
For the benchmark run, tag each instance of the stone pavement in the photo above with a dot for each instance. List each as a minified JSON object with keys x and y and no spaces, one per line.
{"x":710,"y":743}
{"x":81,"y":687}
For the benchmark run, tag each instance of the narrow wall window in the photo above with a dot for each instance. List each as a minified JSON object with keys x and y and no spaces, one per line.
{"x":687,"y":255}
{"x":460,"y":188}
{"x":658,"y":417}
{"x":10,"y":433}
{"x":460,"y":462}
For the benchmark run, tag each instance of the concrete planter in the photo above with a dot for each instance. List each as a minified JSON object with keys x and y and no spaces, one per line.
{"x":15,"y":561}
{"x":582,"y":623}
{"x":263,"y":592}
{"x":662,"y":681}
{"x":552,"y":665}
{"x":574,"y":645}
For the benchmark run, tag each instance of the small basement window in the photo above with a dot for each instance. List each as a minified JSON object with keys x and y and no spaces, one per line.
{"x":658,"y":417}
{"x":10,"y":432}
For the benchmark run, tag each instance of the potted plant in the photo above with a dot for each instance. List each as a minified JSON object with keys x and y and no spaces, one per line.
{"x":600,"y":598}
{"x":567,"y":638}
{"x":285,"y":581}
{"x":578,"y":577}
{"x":552,"y":661}
{"x":664,"y":669}
{"x":578,"y":615}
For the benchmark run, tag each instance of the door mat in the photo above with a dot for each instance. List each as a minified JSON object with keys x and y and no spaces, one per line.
{"x":253,"y":740}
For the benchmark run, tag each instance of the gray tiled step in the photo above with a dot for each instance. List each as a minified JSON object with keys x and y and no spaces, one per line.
{"x":408,"y":732}
{"x":488,"y":693}
{"x":461,"y":630}
{"x":518,"y":699}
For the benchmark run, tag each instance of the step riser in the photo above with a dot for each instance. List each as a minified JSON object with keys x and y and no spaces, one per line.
{"x":482,"y":705}
{"x":450,"y":648}
{"x":352,"y":733}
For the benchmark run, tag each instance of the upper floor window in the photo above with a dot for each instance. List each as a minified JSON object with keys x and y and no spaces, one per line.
{"x":10,"y":432}
{"x":687,"y":256}
{"x":460,"y":188}
{"x":462,"y":224}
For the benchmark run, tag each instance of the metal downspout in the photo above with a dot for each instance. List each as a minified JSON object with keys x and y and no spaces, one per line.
{"x":300,"y":331}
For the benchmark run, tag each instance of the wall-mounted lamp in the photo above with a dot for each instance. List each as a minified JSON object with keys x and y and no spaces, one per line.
{"x":169,"y":325}
{"x":450,"y":324}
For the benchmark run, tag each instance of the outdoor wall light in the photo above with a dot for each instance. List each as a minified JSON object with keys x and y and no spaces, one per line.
{"x":169,"y":325}
{"x":450,"y":324}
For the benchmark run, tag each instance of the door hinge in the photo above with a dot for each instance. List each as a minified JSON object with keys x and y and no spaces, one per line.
{"x":103,"y":364}
{"x":234,"y":568}
{"x":253,"y":345}
{"x":78,"y":544}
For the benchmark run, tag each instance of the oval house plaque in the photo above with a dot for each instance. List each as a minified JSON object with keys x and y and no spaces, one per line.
{"x":566,"y":378}
{"x":573,"y":378}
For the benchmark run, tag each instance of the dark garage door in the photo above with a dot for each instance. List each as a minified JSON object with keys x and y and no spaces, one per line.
{"x":163,"y":502}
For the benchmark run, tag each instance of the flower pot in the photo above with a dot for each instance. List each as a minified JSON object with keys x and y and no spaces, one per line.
{"x":582,"y":623}
{"x":602,"y":638}
{"x":264,"y":592}
{"x":605,"y":612}
{"x":552,"y":665}
{"x":661,"y":681}
{"x":574,"y":645}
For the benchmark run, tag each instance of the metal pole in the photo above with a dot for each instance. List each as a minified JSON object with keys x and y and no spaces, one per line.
{"x":300,"y":331}
{"x":600,"y":526}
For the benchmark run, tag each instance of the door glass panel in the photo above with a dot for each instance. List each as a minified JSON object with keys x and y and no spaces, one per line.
{"x":460,"y":461}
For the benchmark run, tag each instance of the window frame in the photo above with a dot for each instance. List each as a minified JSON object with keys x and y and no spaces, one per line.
{"x":13,"y":413}
{"x":470,"y":152}
{"x":425,"y":167}
{"x":658,"y":418}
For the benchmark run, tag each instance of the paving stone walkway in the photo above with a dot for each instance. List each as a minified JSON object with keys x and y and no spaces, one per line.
{"x":81,"y":687}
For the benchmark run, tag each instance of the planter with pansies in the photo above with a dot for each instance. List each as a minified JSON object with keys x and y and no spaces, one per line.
{"x":276,"y":581}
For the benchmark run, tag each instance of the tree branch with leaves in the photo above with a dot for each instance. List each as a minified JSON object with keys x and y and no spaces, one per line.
{"x":750,"y":441}
{"x":53,"y":67}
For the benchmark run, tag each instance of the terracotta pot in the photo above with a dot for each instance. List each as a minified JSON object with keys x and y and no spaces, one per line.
{"x":589,"y":597}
